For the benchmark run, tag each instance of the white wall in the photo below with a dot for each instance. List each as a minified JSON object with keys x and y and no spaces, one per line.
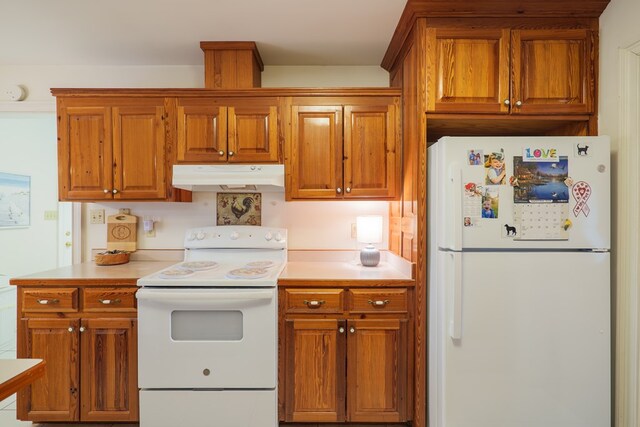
{"x":324,"y":225}
{"x":28,"y":147}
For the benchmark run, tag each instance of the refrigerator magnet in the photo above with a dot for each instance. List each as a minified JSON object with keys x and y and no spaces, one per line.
{"x":468,"y":222}
{"x":567,"y":224}
{"x":509,"y":231}
{"x":471,"y":203}
{"x":581,"y":191}
{"x":513,"y":181}
{"x":475,"y":157}
{"x":495,"y":168}
{"x":568,"y":182}
{"x":581,"y":151}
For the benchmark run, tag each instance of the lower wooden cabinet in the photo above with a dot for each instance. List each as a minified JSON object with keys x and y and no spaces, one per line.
{"x":345,"y":368}
{"x":91,"y":362}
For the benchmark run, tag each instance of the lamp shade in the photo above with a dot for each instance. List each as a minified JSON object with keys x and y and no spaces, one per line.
{"x":369,"y":229}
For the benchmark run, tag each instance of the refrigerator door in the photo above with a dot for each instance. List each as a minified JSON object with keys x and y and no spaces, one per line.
{"x":511,"y":348}
{"x":548,"y":213}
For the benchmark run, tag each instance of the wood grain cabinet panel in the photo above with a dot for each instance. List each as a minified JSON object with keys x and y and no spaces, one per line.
{"x":378,"y":301}
{"x":314,"y":301}
{"x":510,"y":71}
{"x":109,"y":370}
{"x":111,"y":149}
{"x":377,"y":370}
{"x":84,"y":152}
{"x":552,"y":72}
{"x":316,"y":152}
{"x":212,"y":130}
{"x":316,"y":371}
{"x":468,"y":70}
{"x":55,"y":396}
{"x":109,"y":300}
{"x":139,"y":150}
{"x":345,"y":151}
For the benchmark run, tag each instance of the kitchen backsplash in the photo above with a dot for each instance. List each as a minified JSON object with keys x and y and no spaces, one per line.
{"x":311,"y":225}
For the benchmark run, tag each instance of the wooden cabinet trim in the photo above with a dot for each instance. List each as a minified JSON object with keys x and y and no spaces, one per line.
{"x":109,"y":300}
{"x":51,"y":300}
{"x":314,"y":301}
{"x":378,"y":301}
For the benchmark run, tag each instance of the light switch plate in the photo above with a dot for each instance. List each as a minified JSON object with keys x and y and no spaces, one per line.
{"x":96,"y":216}
{"x":50,"y":215}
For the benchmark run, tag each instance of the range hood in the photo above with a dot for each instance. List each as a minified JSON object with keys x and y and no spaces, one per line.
{"x":229,"y":178}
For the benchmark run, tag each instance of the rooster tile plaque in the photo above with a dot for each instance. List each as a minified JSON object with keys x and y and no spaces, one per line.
{"x":239,"y":209}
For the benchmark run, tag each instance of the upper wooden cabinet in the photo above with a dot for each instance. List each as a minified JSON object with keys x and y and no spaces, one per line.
{"x":343,"y":148}
{"x":111,"y":149}
{"x":505,"y":71}
{"x":220,"y":131}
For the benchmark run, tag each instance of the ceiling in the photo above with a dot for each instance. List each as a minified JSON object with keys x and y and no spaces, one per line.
{"x":168,"y":32}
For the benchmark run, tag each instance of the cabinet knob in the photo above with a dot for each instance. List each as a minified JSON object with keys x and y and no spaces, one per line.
{"x":507,"y":102}
{"x":352,"y":330}
{"x":518,"y":103}
{"x":338,"y":190}
{"x":48,"y":301}
{"x":314,"y":303}
{"x":106,"y":191}
{"x":82,"y":329}
{"x":109,"y":301}
{"x":348,"y":189}
{"x":230,"y":153}
{"x":114,"y":191}
{"x":70,"y":329}
{"x":221,"y":153}
{"x":378,"y":303}
{"x":341,"y":330}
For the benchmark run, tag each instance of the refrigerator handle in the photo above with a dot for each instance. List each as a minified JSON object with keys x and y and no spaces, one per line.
{"x":455,"y":178}
{"x":455,"y":277}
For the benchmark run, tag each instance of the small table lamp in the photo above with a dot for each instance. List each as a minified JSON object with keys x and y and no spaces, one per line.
{"x":369,"y":230}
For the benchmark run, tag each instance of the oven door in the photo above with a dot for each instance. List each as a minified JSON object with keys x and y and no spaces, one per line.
{"x":207,"y":338}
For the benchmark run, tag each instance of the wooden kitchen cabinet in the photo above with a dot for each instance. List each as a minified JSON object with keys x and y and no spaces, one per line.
{"x":346,"y":365}
{"x":111,"y":149}
{"x":509,"y":71}
{"x":109,"y":370}
{"x":345,"y":150}
{"x":90,"y":353}
{"x":221,"y":131}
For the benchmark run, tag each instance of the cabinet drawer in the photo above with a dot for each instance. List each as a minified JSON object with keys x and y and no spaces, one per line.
{"x":109,"y":299}
{"x":313,"y":300}
{"x":50,"y":300}
{"x":378,"y":300}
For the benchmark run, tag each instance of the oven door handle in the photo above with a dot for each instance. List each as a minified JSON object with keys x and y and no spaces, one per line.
{"x":202,"y":298}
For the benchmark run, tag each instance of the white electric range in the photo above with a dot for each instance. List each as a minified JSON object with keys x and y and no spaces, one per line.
{"x":207,"y":331}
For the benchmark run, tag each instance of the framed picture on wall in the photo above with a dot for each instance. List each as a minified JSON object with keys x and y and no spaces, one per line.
{"x":15,"y":200}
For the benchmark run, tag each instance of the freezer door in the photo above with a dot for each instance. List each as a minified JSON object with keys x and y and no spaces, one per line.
{"x":512,"y":348}
{"x":546,"y":205}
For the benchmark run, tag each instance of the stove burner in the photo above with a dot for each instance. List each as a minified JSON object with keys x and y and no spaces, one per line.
{"x":247,"y":273}
{"x":176,"y":273}
{"x":260,"y":264}
{"x":199,"y":265}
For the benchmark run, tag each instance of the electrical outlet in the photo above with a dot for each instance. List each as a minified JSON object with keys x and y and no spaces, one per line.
{"x":50,"y":215}
{"x":354,"y":231}
{"x":96,"y":216}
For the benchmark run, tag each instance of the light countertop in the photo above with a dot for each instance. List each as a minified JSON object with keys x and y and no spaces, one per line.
{"x":307,"y":271}
{"x":88,"y":273}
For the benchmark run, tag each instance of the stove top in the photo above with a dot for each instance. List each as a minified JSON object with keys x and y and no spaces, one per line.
{"x":226,"y":256}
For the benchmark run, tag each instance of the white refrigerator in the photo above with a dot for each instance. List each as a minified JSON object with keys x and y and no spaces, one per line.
{"x":519,"y":285}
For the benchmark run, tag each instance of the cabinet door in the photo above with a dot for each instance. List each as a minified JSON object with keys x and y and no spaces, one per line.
{"x":315,"y":163}
{"x":53,"y":397}
{"x":84,"y":152}
{"x":371,"y":151}
{"x":202,"y":132}
{"x":109,"y":370}
{"x":315,"y":370}
{"x":377,"y":370}
{"x":139,"y":156}
{"x":552,"y":71}
{"x":253,"y":134}
{"x":467,"y":70}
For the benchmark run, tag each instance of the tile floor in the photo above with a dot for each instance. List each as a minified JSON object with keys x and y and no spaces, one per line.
{"x":8,"y":406}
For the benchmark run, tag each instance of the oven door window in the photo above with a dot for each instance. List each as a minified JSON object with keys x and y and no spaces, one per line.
{"x":206,"y":325}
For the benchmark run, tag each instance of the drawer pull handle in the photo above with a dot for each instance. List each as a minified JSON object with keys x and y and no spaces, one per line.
{"x":379,"y":302}
{"x":314,"y":303}
{"x":110,"y":301}
{"x":48,"y":301}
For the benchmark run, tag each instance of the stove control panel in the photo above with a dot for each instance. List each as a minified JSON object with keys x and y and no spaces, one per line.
{"x":236,"y":236}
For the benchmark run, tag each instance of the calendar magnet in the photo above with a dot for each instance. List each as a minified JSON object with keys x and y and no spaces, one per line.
{"x":567,"y":224}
